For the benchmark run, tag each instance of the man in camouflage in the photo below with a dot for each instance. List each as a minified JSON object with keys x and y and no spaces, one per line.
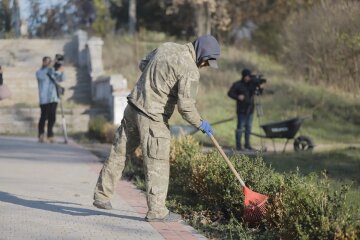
{"x":170,"y":76}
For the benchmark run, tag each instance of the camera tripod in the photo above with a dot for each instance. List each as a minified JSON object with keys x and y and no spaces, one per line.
{"x":63,"y":121}
{"x":259,"y":114}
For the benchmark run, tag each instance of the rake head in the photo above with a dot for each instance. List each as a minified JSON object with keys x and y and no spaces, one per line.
{"x":255,"y":206}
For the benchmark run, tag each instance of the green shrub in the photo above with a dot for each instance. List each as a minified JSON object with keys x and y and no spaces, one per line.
{"x":108,"y":132}
{"x":101,"y":129}
{"x":307,"y":208}
{"x":203,"y":189}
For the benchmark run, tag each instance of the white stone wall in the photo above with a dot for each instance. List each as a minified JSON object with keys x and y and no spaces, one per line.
{"x":95,"y":53}
{"x":119,"y":99}
{"x":109,"y":90}
{"x":112,"y":91}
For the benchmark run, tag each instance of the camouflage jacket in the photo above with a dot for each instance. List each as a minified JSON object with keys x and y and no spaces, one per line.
{"x":170,"y":76}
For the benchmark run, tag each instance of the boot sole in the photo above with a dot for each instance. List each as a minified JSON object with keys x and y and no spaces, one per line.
{"x":101,"y":206}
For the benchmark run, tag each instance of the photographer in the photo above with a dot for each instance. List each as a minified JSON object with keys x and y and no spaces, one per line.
{"x":4,"y":90}
{"x":243,"y":91}
{"x":47,"y":78}
{"x":1,"y":77}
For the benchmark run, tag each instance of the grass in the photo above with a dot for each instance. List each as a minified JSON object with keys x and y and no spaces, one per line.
{"x":123,"y":54}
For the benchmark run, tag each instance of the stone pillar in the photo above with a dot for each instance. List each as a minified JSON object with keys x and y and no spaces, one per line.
{"x":82,"y":38}
{"x":119,"y":99}
{"x":95,"y":51}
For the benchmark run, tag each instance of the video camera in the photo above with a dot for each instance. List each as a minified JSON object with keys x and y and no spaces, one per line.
{"x":59,"y":61}
{"x":257,"y":80}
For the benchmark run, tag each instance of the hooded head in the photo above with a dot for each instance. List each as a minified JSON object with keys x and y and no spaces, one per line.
{"x":246,"y":72}
{"x":246,"y":75}
{"x":207,"y":49}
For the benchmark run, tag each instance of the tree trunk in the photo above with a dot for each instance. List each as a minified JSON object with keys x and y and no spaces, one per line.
{"x":203,"y":19}
{"x":5,"y":16}
{"x":132,"y":16}
{"x":15,"y":19}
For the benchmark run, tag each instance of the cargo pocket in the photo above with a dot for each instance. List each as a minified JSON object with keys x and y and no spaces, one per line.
{"x":159,"y":141}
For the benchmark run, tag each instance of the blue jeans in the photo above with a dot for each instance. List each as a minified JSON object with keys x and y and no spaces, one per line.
{"x":244,"y":125}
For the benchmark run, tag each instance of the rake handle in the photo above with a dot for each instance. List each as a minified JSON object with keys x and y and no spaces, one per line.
{"x":227,"y":160}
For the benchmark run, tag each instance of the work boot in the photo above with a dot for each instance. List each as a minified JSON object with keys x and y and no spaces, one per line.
{"x":249,"y":147}
{"x":247,"y":142}
{"x":41,"y":138}
{"x":170,"y":217}
{"x":238,"y":139}
{"x":102,"y":205}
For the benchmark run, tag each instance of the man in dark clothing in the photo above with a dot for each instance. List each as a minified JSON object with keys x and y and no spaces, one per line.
{"x":243,"y":92}
{"x":4,"y":91}
{"x":1,"y":76}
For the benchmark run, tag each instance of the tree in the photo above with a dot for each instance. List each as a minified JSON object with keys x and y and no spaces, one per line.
{"x":65,"y":17}
{"x":15,"y":17}
{"x":221,"y":16}
{"x":132,"y":16}
{"x":103,"y":23}
{"x":209,"y":16}
{"x":201,"y":13}
{"x":5,"y":17}
{"x":35,"y":18}
{"x":79,"y":14}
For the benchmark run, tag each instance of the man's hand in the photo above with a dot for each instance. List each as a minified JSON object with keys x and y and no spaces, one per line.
{"x":241,"y":97}
{"x":61,"y":69}
{"x":206,"y":128}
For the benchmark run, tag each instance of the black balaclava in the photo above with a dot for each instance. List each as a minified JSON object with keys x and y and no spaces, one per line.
{"x":206,"y":47}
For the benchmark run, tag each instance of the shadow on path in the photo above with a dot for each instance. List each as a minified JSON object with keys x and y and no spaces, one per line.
{"x":58,"y":207}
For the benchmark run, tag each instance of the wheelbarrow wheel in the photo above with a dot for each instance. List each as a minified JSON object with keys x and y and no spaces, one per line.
{"x":303,"y":143}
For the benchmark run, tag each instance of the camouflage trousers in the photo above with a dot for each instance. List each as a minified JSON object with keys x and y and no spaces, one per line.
{"x":154,"y":138}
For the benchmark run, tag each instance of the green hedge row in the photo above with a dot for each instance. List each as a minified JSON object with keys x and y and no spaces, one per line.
{"x":203,"y":189}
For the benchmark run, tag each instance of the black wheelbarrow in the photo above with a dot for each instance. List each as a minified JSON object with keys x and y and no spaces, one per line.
{"x":287,"y":129}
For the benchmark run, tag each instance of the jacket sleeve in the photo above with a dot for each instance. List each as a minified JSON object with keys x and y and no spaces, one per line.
{"x":57,"y":76}
{"x":144,"y":62}
{"x":233,"y":92}
{"x":60,"y":76}
{"x":187,"y":91}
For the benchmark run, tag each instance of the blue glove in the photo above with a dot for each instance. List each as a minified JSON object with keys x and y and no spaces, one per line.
{"x":206,"y":128}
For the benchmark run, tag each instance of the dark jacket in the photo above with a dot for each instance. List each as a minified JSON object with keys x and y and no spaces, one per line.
{"x":248,"y":90}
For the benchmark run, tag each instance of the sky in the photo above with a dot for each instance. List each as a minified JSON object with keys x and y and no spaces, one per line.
{"x":24,"y":6}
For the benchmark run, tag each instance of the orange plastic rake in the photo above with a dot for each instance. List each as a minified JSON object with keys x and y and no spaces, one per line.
{"x":254,"y":203}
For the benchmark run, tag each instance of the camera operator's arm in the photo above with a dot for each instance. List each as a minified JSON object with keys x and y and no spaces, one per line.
{"x":235,"y":93}
{"x":261,"y":87}
{"x":58,"y":75}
